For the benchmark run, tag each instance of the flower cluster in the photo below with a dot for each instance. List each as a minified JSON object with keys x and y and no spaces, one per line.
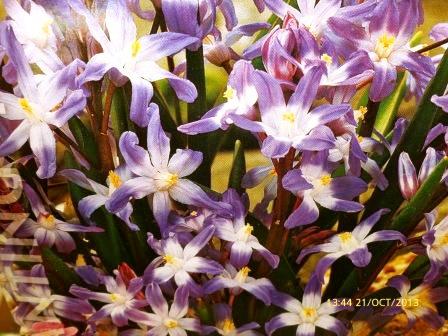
{"x":114,"y":131}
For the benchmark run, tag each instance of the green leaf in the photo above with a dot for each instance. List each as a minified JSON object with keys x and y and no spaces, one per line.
{"x":238,"y":167}
{"x":389,"y":107}
{"x":85,"y":140}
{"x":59,"y":275}
{"x":196,"y":109}
{"x":119,"y":114}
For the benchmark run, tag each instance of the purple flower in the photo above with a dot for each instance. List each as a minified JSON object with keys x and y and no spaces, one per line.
{"x":38,"y":297}
{"x":42,"y":104}
{"x":195,"y":18}
{"x":127,"y":58}
{"x":350,"y":149}
{"x":313,"y":183}
{"x":167,"y":320}
{"x":238,"y":234}
{"x":408,"y":181}
{"x":314,"y":16}
{"x":308,"y":314}
{"x":159,"y":175}
{"x":386,"y":40}
{"x":237,"y":281}
{"x":292,"y":124}
{"x":241,"y":97}
{"x":435,"y":240}
{"x":178,"y":261}
{"x":352,"y":244}
{"x":48,"y":230}
{"x":120,"y":302}
{"x":219,"y":51}
{"x":420,"y":302}
{"x":89,"y":204}
{"x":225,"y":325}
{"x":441,"y":101}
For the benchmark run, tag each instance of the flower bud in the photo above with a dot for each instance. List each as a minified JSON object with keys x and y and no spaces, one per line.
{"x":407,"y":176}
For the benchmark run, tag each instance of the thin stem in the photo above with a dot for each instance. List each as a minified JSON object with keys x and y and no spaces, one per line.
{"x":433,"y":46}
{"x":368,"y":123}
{"x":70,"y":143}
{"x":107,"y":162}
{"x":156,"y":22}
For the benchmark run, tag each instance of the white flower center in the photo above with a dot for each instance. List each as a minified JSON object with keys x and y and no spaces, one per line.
{"x":30,"y":109}
{"x":170,"y":323}
{"x":348,"y":242}
{"x":308,"y":314}
{"x":165,"y":181}
{"x":242,"y":274}
{"x":118,"y":298}
{"x":245,"y":232}
{"x":47,"y":222}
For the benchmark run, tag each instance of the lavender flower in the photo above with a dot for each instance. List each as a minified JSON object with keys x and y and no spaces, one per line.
{"x":241,"y":97}
{"x":159,"y":175}
{"x":40,"y":299}
{"x":41,"y":105}
{"x":308,"y":314}
{"x":435,"y":240}
{"x":292,"y":124}
{"x":420,"y":301}
{"x":385,"y":39}
{"x":408,"y":181}
{"x":352,"y":244}
{"x":238,"y":234}
{"x":102,"y":193}
{"x":48,"y":230}
{"x":120,"y":302}
{"x":195,"y":18}
{"x":312,"y":183}
{"x":178,"y":262}
{"x":165,"y":320}
{"x":225,"y":325}
{"x":237,"y":281}
{"x":126,"y":57}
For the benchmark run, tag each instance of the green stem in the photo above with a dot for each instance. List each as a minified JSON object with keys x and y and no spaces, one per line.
{"x":196,"y":109}
{"x":367,"y":124}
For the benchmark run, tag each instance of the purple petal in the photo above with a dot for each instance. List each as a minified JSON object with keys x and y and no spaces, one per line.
{"x":306,"y":91}
{"x":43,"y":145}
{"x":157,"y":46}
{"x":360,"y":257}
{"x":305,"y":214}
{"x":136,"y":188}
{"x":16,"y":139}
{"x":325,"y":263}
{"x":198,"y":242}
{"x":96,"y":68}
{"x":436,"y":131}
{"x":428,"y":165}
{"x":156,"y":300}
{"x":383,"y":81}
{"x":90,"y":203}
{"x":362,"y":229}
{"x":179,"y":308}
{"x":281,"y":321}
{"x":442,"y":102}
{"x":384,"y":235}
{"x":184,"y":162}
{"x":157,"y":141}
{"x":142,"y":93}
{"x":332,"y":324}
{"x":240,"y":254}
{"x":73,"y":104}
{"x":202,"y":265}
{"x":312,"y":295}
{"x":135,"y":156}
{"x":386,"y":19}
{"x":161,"y":207}
{"x":275,"y":148}
{"x":407,"y":176}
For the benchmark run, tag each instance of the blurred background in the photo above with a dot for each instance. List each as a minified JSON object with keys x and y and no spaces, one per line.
{"x":435,"y":11}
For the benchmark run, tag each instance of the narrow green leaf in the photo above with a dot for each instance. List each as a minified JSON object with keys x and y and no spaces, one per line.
{"x":389,"y":107}
{"x":59,"y":275}
{"x":196,"y":109}
{"x":238,"y":167}
{"x":119,"y":114}
{"x":85,"y":140}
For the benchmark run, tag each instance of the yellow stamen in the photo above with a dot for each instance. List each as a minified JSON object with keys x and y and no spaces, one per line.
{"x":384,"y":45}
{"x":193,"y":213}
{"x":228,"y":326}
{"x":345,"y":236}
{"x":230,"y":93}
{"x":114,"y":180}
{"x":169,"y":259}
{"x":48,"y":222}
{"x":170,"y":323}
{"x":325,"y":180}
{"x":273,"y":172}
{"x":289,"y":116}
{"x":26,"y":106}
{"x":248,"y":229}
{"x":309,"y":314}
{"x":172,"y":179}
{"x":135,"y":48}
{"x":242,"y":274}
{"x":327,"y":59}
{"x":360,"y":138}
